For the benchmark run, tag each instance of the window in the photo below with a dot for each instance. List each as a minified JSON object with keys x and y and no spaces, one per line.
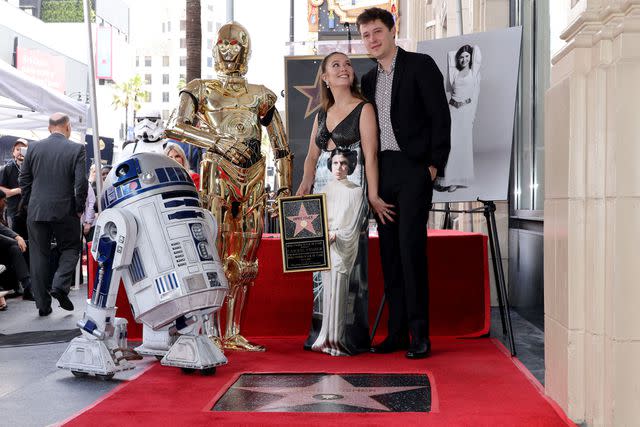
{"x":183,"y":43}
{"x":210,"y":26}
{"x":528,"y":161}
{"x":147,"y":61}
{"x":169,"y":26}
{"x":165,"y":114}
{"x":147,"y":79}
{"x":209,"y":44}
{"x":165,"y":61}
{"x":163,"y":27}
{"x":210,"y":8}
{"x":137,"y":61}
{"x":183,"y":77}
{"x":183,"y":61}
{"x":165,"y":79}
{"x":147,"y":97}
{"x":183,"y":25}
{"x":165,"y":96}
{"x":209,"y":61}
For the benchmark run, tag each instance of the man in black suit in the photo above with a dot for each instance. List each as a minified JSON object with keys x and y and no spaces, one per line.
{"x":54,"y":190}
{"x":413,"y":118}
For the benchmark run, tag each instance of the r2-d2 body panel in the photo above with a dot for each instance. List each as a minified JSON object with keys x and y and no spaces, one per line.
{"x":175,"y":269}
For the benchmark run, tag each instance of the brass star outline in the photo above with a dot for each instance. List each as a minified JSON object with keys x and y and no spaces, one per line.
{"x":313,"y":93}
{"x":330,"y":389}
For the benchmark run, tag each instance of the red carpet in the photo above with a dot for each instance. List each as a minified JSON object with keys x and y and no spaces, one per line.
{"x":474,"y":383}
{"x":279,"y":304}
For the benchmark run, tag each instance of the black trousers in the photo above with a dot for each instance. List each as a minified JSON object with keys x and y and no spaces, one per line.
{"x":405,"y":184}
{"x":69,"y":244}
{"x":14,"y":260}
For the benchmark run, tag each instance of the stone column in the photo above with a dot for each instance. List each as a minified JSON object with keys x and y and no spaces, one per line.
{"x":592,"y":216}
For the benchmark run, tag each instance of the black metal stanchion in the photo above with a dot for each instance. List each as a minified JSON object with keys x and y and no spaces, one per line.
{"x":498,"y":271}
{"x":378,"y":315}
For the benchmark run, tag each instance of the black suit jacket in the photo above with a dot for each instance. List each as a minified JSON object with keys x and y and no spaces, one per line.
{"x":52,"y":179}
{"x":419,"y":109}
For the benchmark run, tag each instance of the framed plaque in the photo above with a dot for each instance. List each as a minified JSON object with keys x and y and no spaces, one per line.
{"x":304,"y":234}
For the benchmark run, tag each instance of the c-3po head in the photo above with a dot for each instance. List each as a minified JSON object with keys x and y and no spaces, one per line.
{"x":232,"y":50}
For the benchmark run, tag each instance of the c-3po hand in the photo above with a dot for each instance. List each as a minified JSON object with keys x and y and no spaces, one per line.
{"x":233,"y":150}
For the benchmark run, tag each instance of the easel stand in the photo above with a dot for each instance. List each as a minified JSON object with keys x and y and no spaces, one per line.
{"x":488,"y":209}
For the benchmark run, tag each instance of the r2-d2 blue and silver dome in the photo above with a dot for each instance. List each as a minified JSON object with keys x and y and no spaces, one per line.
{"x":153,"y":235}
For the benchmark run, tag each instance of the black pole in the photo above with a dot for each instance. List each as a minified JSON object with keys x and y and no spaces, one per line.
{"x":498,"y":272}
{"x":378,"y":315}
{"x":348,"y":27}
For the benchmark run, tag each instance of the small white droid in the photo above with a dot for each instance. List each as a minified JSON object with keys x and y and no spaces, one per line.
{"x":148,"y":131}
{"x":153,"y":235}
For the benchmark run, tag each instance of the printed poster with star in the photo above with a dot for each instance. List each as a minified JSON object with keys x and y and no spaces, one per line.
{"x":304,"y":233}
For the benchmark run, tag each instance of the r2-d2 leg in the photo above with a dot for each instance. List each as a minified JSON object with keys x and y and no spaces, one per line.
{"x":102,"y":348}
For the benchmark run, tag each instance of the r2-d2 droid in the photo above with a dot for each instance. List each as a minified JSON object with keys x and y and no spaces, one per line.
{"x":153,"y":235}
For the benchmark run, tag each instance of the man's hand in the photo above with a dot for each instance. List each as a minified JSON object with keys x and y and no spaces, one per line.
{"x":433,"y":171}
{"x":21,"y":243}
{"x":86,"y":227}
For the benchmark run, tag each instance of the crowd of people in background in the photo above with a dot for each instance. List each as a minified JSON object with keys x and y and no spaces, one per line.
{"x":41,"y":234}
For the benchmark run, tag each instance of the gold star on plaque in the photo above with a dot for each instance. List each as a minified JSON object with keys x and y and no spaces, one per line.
{"x":312,"y":92}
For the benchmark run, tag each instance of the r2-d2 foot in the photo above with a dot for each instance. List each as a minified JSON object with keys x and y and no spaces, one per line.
{"x":101,"y":350}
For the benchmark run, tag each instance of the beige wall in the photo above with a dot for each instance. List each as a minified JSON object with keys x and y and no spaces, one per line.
{"x":592,"y":216}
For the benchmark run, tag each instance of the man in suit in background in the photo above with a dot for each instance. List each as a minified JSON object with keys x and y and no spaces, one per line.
{"x":54,"y":190}
{"x":413,"y":118}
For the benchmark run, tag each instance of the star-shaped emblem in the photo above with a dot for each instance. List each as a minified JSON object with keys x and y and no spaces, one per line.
{"x":331,"y":389}
{"x":312,"y":92}
{"x":303,"y":220}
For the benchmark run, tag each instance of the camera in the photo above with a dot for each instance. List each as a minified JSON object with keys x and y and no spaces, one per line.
{"x":23,"y":151}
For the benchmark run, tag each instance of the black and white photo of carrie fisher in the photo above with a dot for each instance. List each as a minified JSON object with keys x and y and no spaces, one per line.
{"x":464,"y":87}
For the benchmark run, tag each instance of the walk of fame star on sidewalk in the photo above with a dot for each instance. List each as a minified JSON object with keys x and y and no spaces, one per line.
{"x":330,"y":393}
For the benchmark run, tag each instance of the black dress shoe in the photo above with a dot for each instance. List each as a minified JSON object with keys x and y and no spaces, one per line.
{"x":419,"y":350}
{"x":389,"y":345}
{"x":63,"y":299}
{"x":45,"y":311}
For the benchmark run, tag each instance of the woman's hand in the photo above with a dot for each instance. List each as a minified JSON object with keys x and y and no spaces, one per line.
{"x":383,"y":210}
{"x":305,"y":188}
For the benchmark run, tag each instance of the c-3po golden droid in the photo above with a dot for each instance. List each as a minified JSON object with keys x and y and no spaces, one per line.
{"x":225,"y":116}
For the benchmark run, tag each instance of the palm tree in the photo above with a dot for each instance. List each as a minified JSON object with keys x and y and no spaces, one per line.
{"x":128,"y":94}
{"x":193,"y":39}
{"x":194,"y":59}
